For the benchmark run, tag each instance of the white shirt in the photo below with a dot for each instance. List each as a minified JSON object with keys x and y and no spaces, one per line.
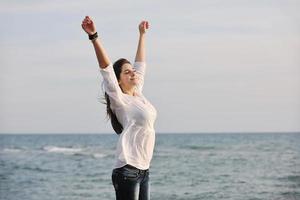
{"x":136,"y":115}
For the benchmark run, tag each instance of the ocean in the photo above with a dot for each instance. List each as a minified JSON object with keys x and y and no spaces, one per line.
{"x":239,"y":166}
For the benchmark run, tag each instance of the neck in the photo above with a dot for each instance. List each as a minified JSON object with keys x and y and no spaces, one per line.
{"x":129,"y":91}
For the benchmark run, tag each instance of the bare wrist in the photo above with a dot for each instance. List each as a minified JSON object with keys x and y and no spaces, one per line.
{"x":93,"y":41}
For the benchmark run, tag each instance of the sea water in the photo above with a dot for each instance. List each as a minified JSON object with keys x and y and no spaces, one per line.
{"x":185,"y":166}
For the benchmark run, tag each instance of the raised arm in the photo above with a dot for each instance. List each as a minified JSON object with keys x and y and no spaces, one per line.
{"x":90,"y":28}
{"x":110,"y":82}
{"x":141,"y":52}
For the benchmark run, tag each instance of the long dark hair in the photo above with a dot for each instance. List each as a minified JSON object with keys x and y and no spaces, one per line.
{"x":118,"y":128}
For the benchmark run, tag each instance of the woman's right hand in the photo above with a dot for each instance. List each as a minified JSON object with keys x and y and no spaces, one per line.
{"x":143,"y":26}
{"x":88,"y":26}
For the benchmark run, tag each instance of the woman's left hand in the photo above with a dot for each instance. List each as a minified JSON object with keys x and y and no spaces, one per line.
{"x":143,"y":26}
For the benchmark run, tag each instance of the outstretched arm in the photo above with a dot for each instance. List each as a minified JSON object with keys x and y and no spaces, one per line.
{"x":141,"y":52}
{"x":90,"y":28}
{"x":110,"y":82}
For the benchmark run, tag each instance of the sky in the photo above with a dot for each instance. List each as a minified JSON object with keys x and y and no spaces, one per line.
{"x":212,"y":65}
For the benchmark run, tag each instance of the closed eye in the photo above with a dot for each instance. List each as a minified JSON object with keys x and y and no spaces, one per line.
{"x":128,"y":71}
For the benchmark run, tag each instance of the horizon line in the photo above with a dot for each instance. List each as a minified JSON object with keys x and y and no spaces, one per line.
{"x":160,"y":133}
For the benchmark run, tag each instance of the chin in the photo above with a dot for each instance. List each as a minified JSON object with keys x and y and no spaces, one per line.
{"x":134,"y":82}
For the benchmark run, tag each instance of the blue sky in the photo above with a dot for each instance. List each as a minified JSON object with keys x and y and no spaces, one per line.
{"x":213,"y":66}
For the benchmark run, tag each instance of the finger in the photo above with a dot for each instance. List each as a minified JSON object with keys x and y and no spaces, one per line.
{"x":89,"y":21}
{"x":82,"y":26}
{"x":144,"y":24}
{"x":88,"y":17}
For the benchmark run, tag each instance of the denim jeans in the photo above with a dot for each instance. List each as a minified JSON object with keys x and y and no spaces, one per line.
{"x":131,"y":183}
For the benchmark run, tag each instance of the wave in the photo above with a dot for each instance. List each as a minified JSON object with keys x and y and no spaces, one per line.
{"x":91,"y":154}
{"x":98,"y":155}
{"x":194,"y":147}
{"x":55,"y":149}
{"x":290,"y":178}
{"x":11,"y":150}
{"x":75,"y":151}
{"x":34,"y":168}
{"x":291,"y":195}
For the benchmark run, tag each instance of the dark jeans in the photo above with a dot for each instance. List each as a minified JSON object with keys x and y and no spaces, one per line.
{"x":131,"y":183}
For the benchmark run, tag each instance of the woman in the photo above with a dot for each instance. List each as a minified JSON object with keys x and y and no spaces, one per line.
{"x":132,"y":116}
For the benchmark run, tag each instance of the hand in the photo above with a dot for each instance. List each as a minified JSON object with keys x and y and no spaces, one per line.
{"x":143,"y":26}
{"x":88,"y":25}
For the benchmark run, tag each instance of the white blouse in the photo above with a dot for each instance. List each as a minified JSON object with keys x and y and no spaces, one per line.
{"x":136,"y":115}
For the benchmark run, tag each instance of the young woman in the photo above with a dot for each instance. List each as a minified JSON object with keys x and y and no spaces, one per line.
{"x":132,"y":116}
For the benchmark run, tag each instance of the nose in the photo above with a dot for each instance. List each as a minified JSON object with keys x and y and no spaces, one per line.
{"x":133,"y":73}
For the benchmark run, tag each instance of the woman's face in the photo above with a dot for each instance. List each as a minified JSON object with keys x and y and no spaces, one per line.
{"x":128,"y":77}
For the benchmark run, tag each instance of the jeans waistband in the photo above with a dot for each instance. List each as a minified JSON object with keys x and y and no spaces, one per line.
{"x":140,"y":171}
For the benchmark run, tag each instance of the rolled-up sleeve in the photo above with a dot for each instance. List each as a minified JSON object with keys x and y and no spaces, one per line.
{"x":141,"y":70}
{"x":111,"y":85}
